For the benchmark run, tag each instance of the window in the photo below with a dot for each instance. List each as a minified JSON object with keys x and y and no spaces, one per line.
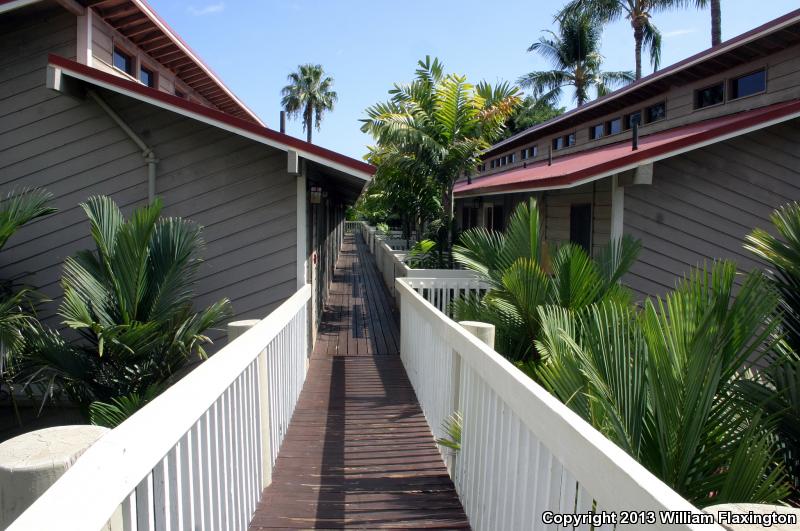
{"x":529,"y":153}
{"x":596,"y":132}
{"x":748,"y":84}
{"x":713,"y":95}
{"x":656,"y":112}
{"x":632,"y":118}
{"x":147,"y":77}
{"x":558,"y":143}
{"x":580,"y":225}
{"x":569,"y":139}
{"x":512,"y":158}
{"x":614,"y":126}
{"x":122,"y":61}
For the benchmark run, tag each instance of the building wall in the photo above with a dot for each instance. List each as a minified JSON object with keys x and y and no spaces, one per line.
{"x":237,"y":189}
{"x":554,"y":208}
{"x":702,"y":203}
{"x":557,"y":212}
{"x":783,"y":83}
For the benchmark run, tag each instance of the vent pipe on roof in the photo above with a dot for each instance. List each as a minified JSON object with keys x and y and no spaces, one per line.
{"x":550,"y":155}
{"x":635,"y":137}
{"x":283,"y":122}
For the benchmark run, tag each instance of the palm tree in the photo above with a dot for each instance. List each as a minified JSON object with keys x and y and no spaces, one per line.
{"x":777,"y":388}
{"x":638,"y":12}
{"x":130,"y":302}
{"x":17,"y":302}
{"x":716,"y":18}
{"x":662,"y":382}
{"x":575,"y":56}
{"x":438,"y":125}
{"x":309,"y":93}
{"x":522,"y":278}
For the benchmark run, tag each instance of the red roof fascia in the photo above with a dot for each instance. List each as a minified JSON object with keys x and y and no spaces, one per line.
{"x":571,"y":169}
{"x":208,"y":112}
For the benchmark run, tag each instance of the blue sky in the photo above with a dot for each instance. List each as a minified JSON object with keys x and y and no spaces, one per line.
{"x":367,"y":45}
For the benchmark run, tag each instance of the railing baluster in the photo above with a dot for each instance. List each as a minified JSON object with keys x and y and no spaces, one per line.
{"x":145,"y":519}
{"x":187,"y":479}
{"x":129,"y":513}
{"x":161,"y":498}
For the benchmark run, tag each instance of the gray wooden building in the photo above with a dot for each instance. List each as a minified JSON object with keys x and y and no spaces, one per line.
{"x":717,"y":152}
{"x":104,"y":98}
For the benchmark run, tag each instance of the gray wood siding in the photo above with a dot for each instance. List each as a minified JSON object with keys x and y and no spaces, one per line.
{"x":702,"y":203}
{"x":237,"y":189}
{"x":557,"y":208}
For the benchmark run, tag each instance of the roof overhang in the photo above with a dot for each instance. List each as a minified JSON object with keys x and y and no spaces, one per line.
{"x":768,"y":38}
{"x":59,"y":67}
{"x":140,"y":24}
{"x":593,"y":164}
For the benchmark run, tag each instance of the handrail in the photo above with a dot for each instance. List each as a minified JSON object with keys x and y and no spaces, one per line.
{"x":522,"y":452}
{"x":199,"y":454}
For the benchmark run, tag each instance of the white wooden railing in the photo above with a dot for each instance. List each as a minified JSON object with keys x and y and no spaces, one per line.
{"x":199,"y":455}
{"x":352,"y":226}
{"x":522,"y":451}
{"x":443,"y":290}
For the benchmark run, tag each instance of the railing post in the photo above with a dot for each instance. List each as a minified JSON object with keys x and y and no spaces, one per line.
{"x":235,"y":329}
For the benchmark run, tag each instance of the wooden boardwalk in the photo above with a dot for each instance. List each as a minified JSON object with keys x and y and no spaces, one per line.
{"x":358,"y":452}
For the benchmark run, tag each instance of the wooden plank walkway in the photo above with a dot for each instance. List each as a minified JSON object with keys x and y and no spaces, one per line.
{"x":358,"y":452}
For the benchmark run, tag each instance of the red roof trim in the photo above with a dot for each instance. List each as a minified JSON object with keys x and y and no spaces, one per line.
{"x":144,"y":8}
{"x":727,"y":125}
{"x":239,"y":123}
{"x":671,"y":69}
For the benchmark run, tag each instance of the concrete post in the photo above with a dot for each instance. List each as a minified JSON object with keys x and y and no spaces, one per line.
{"x":30,"y":463}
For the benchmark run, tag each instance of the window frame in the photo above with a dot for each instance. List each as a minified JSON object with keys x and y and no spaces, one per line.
{"x":153,"y":75}
{"x":593,"y":135}
{"x":646,"y":118}
{"x":697,"y":92}
{"x":732,"y":80}
{"x":116,"y":49}
{"x":607,"y":126}
{"x":626,"y":120}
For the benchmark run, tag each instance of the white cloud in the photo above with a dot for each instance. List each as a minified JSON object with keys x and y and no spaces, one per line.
{"x":207,"y":10}
{"x":678,"y":33}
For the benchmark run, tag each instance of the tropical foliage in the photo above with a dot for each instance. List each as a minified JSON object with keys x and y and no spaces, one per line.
{"x":310,"y":95}
{"x":423,"y":255}
{"x":777,"y":387}
{"x":574,"y":54}
{"x":639,"y":14}
{"x":662,"y":383}
{"x":436,"y":127}
{"x":130,"y":302}
{"x":17,"y":303}
{"x":523,"y":276}
{"x":531,"y":112}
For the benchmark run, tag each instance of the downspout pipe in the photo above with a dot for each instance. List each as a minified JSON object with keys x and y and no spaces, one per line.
{"x":147,"y":152}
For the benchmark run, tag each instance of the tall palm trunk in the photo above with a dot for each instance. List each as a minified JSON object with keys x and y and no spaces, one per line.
{"x":309,"y":114}
{"x":638,"y":36}
{"x":716,"y":22}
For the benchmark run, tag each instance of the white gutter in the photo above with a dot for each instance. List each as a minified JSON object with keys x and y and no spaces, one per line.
{"x":147,"y":152}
